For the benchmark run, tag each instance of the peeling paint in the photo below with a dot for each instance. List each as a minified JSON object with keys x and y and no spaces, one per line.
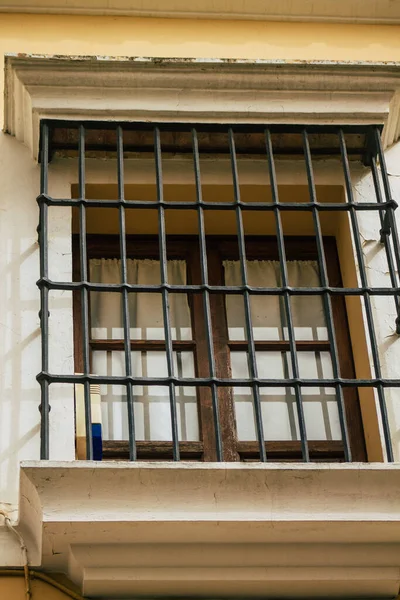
{"x":160,"y":60}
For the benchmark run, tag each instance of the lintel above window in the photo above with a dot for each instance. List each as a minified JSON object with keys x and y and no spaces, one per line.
{"x":198,"y":91}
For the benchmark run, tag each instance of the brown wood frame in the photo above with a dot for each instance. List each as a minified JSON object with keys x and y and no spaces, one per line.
{"x":218,"y":249}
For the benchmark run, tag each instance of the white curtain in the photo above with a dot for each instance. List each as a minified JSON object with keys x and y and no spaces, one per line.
{"x":278,"y":405}
{"x":145,"y":309}
{"x":152,"y":405}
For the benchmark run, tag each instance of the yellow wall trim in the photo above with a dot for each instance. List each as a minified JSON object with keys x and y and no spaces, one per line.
{"x":352,"y":11}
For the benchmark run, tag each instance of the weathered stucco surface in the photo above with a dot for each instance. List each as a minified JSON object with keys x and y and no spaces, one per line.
{"x":19,"y":176}
{"x":129,"y":36}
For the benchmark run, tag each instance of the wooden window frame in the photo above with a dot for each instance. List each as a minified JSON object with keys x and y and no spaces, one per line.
{"x":221,"y":248}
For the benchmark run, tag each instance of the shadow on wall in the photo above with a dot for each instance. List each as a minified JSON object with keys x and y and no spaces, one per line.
{"x":19,"y":307}
{"x":20,"y":349}
{"x":13,"y":588}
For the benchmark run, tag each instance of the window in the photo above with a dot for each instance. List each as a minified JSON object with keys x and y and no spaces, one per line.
{"x":194,"y":413}
{"x":213,"y":346}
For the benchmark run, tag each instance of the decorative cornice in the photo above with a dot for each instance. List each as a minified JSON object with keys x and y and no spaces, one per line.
{"x":186,"y":529}
{"x":344,"y":11}
{"x":194,"y":90}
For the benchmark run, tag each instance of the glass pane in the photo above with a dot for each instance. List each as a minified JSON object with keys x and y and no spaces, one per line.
{"x":145,"y":309}
{"x":268,"y":313}
{"x":152,"y":403}
{"x":308,"y":311}
{"x":278,"y":404}
{"x":265,"y":310}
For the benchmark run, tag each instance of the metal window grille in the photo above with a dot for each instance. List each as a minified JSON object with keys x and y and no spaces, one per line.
{"x":365,"y":144}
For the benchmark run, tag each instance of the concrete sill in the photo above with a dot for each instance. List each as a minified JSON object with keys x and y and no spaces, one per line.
{"x":190,"y":528}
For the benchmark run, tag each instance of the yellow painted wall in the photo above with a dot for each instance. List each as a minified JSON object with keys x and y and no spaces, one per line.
{"x":128,"y":36}
{"x":120,"y":36}
{"x":13,"y":588}
{"x":105,"y":220}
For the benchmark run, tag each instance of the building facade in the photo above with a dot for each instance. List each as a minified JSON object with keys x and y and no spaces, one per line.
{"x":199,"y":309}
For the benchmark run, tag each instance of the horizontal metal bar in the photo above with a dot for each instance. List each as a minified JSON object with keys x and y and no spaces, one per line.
{"x":213,"y":289}
{"x":206,"y":127}
{"x":252,"y":206}
{"x":208,"y":381}
{"x":171,"y":148}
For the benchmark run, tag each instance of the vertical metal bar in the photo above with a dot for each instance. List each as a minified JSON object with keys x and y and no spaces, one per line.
{"x":288,"y":310}
{"x":125,"y":296}
{"x":367,"y":299}
{"x":391,"y":218}
{"x":84,"y":292}
{"x":44,"y":295}
{"x":206,"y":295}
{"x":165,"y":299}
{"x":326,"y":297}
{"x":385,"y":240}
{"x":246,"y":298}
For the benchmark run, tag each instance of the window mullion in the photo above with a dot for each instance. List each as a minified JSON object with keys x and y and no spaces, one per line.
{"x":206,"y":406}
{"x":252,"y":359}
{"x":222,"y":355}
{"x":346,"y":362}
{"x":206,"y":297}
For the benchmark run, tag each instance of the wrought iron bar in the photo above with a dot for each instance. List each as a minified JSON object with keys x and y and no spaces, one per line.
{"x":225,"y":206}
{"x":384,"y":206}
{"x":286,"y":298}
{"x":125,"y":295}
{"x":384,"y":232}
{"x":323,"y":274}
{"x":367,"y":299}
{"x":84,"y":294}
{"x":218,"y":289}
{"x":206,"y":295}
{"x":252,"y":358}
{"x":165,"y":299}
{"x":225,"y":382}
{"x":44,"y":294}
{"x":390,"y":217}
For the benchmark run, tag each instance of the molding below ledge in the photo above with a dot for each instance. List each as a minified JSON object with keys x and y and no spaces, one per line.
{"x":343,"y":11}
{"x":196,"y":90}
{"x":185,"y":529}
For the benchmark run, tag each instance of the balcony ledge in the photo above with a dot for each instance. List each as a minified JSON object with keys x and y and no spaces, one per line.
{"x":183,"y":529}
{"x":342,"y":11}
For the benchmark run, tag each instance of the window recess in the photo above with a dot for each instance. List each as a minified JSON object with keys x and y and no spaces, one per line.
{"x":218,"y":347}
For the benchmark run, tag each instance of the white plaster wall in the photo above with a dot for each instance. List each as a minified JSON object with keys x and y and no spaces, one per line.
{"x":19,"y":306}
{"x":385,"y":315}
{"x":19,"y":322}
